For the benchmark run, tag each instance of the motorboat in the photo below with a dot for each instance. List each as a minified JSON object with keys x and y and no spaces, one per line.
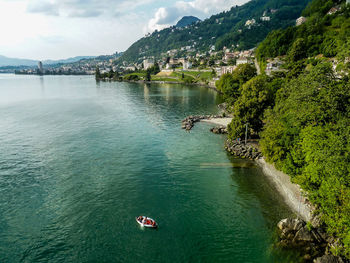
{"x":145,"y":221}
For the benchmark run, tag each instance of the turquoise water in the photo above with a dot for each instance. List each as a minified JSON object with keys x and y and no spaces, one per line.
{"x":79,"y":160}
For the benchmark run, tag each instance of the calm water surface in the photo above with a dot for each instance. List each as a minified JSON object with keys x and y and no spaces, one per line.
{"x":79,"y":160}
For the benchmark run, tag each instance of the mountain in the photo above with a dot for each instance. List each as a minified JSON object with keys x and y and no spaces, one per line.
{"x":6,"y":61}
{"x":225,"y":29}
{"x":187,"y":21}
{"x":68,"y":60}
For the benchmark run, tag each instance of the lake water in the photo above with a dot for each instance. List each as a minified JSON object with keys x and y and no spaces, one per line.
{"x":79,"y":160}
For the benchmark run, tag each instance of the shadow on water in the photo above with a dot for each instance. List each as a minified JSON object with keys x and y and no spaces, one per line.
{"x":254,"y":182}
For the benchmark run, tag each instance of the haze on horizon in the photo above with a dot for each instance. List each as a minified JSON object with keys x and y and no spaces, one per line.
{"x":57,"y":29}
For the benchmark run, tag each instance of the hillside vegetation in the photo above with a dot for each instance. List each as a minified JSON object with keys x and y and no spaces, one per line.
{"x":224,"y":29}
{"x":302,"y":114}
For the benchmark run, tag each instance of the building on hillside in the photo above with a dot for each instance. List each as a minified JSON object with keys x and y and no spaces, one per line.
{"x":265,"y":18}
{"x":172,"y":52}
{"x":228,"y":69}
{"x":229,"y":56}
{"x":334,"y":10}
{"x":187,"y":65}
{"x":301,"y":20}
{"x":130,"y":68}
{"x":273,"y":11}
{"x":242,"y":60}
{"x":273,"y":66}
{"x":181,"y":60}
{"x":247,"y":53}
{"x":174,"y":61}
{"x":148,"y":63}
{"x":250,"y":22}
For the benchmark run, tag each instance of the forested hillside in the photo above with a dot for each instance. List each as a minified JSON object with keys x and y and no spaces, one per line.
{"x":301,"y":114}
{"x":224,"y":29}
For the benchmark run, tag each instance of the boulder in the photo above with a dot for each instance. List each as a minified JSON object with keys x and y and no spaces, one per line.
{"x":291,"y":224}
{"x":303,"y":235}
{"x":328,"y":259}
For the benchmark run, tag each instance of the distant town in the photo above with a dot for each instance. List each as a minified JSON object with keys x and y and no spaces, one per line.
{"x":184,"y":59}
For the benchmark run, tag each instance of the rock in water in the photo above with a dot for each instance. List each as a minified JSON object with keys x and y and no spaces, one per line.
{"x":219,"y":130}
{"x":303,"y":235}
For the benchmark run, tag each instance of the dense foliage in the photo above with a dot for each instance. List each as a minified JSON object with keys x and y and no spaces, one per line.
{"x":256,"y":95}
{"x":229,"y":84}
{"x":224,"y":29}
{"x":307,"y":135}
{"x":321,"y":34}
{"x":302,"y":114}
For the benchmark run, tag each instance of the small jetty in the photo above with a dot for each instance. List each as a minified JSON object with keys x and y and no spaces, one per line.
{"x":188,"y":123}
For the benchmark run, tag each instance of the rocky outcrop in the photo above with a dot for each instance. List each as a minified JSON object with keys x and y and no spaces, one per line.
{"x":243,"y":150}
{"x":312,"y":243}
{"x":329,"y":259}
{"x":219,"y":130}
{"x":189,"y":122}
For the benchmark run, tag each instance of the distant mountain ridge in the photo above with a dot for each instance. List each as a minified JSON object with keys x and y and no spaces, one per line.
{"x":6,"y":61}
{"x":187,"y":21}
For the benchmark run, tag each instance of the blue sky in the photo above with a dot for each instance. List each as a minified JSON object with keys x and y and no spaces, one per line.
{"x":53,"y":29}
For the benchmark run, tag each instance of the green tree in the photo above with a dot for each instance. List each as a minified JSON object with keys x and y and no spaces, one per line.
{"x":228,"y":85}
{"x":255,"y":97}
{"x":307,"y":135}
{"x":298,"y":50}
{"x":148,"y":75}
{"x":111,"y":73}
{"x":244,"y":72}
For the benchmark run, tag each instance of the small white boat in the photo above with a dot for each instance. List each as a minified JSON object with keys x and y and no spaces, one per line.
{"x":145,"y":221}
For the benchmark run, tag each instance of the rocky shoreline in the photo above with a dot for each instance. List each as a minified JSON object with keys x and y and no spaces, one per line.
{"x":219,"y":130}
{"x":242,"y":150}
{"x":188,"y":123}
{"x":312,"y":242}
{"x":310,"y":239}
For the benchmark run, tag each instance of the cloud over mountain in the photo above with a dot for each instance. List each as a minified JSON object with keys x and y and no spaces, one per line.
{"x":167,"y":16}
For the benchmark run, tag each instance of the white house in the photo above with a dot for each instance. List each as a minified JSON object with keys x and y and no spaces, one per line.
{"x":250,"y":22}
{"x":334,"y":10}
{"x":228,"y":69}
{"x":187,"y":65}
{"x":242,"y":60}
{"x":301,"y":20}
{"x":265,"y":18}
{"x":148,"y":63}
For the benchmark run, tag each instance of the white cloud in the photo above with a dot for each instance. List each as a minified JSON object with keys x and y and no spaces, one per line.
{"x":165,"y":17}
{"x":50,"y":30}
{"x":54,"y":29}
{"x":83,"y":8}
